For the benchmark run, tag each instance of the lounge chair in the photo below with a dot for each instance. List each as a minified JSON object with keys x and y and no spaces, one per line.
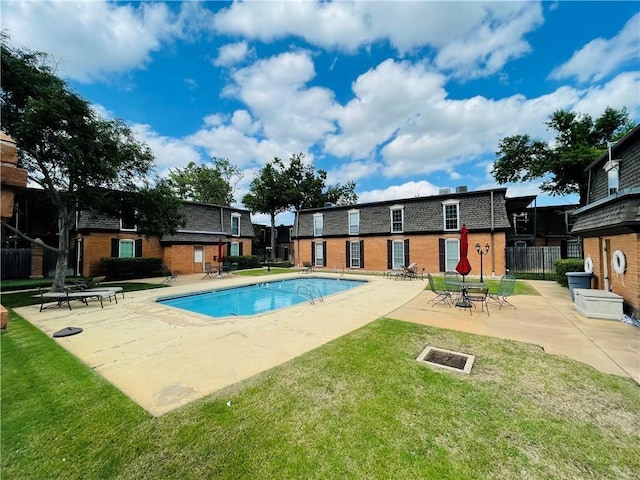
{"x":168,"y":275}
{"x":61,"y":298}
{"x":505,"y":289}
{"x":95,"y":285}
{"x":441,"y":295}
{"x":307,"y":267}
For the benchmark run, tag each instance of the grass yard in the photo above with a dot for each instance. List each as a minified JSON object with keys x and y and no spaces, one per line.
{"x":359,"y":407}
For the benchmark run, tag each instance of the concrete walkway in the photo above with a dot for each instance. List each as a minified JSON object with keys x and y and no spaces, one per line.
{"x":164,"y":358}
{"x":548,"y":320}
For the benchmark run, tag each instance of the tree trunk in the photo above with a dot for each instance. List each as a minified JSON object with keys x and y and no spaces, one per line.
{"x":65,"y":221}
{"x":273,"y":236}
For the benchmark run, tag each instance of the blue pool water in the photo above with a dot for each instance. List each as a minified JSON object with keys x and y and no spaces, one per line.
{"x":258,"y":298}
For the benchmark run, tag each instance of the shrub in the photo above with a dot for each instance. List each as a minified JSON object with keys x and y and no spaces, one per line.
{"x":127,"y":268}
{"x":244,"y":261}
{"x":567,"y":265}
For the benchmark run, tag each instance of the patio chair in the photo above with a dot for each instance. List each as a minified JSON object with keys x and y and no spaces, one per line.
{"x":408,"y":272}
{"x":209,"y":270}
{"x":441,"y":295}
{"x":228,"y":269}
{"x":168,"y":275}
{"x":307,"y":267}
{"x":453,"y":289}
{"x":505,"y":289}
{"x":478,"y":295}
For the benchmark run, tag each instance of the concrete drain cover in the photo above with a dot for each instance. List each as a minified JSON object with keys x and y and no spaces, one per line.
{"x":439,"y":357}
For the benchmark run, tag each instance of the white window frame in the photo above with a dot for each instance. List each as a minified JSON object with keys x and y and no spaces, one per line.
{"x":396,"y":208}
{"x":127,"y":229}
{"x":354,"y":226}
{"x":613,"y":177}
{"x":318,"y":224}
{"x":127,"y":241}
{"x":235,"y":218}
{"x":354,"y":260}
{"x":451,"y":203}
{"x":234,"y":250}
{"x":397,"y":256}
{"x":451,"y":261}
{"x":319,"y":257}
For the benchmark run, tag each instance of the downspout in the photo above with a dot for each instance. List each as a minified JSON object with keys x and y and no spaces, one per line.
{"x":493,"y":243}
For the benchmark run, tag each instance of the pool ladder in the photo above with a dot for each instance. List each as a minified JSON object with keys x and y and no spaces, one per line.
{"x":305,"y":292}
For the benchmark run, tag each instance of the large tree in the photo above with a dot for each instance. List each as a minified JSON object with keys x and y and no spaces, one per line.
{"x":267,"y":194}
{"x":279,"y":187}
{"x":579,"y":141}
{"x":207,"y":184}
{"x":81,"y":161}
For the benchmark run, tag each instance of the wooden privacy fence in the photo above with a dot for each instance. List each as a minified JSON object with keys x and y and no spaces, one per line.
{"x":16,"y":263}
{"x":535,"y":263}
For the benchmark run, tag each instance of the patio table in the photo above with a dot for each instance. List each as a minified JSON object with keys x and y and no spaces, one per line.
{"x":462,"y":287}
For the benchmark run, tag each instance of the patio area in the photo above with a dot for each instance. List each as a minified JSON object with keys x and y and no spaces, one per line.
{"x":163,"y":358}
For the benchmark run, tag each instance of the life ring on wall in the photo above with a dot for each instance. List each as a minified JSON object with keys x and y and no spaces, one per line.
{"x":618,"y":262}
{"x":588,"y":264}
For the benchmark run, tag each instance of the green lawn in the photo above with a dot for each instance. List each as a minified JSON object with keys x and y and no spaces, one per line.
{"x":359,"y":407}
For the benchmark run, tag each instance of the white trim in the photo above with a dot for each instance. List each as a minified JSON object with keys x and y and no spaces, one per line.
{"x":235,"y":216}
{"x":133,"y":245}
{"x":319,"y":216}
{"x":396,"y":208}
{"x":448,"y":203}
{"x":356,"y":225}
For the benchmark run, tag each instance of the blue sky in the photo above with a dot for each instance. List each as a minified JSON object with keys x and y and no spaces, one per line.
{"x":403,"y":98}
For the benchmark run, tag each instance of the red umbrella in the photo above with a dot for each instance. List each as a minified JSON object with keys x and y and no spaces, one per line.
{"x":220,"y":250}
{"x":463,"y":267}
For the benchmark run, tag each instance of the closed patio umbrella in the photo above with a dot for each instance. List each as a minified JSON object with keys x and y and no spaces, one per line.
{"x":464,"y":267}
{"x":220,"y":255}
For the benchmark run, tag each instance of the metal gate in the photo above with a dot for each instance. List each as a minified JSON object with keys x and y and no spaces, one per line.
{"x":534,"y":263}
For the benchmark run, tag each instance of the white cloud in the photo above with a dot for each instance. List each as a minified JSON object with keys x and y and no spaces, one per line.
{"x":169,"y":152}
{"x":601,"y":57}
{"x":406,"y":190}
{"x":274,"y":90}
{"x":91,"y":40}
{"x":621,"y":91}
{"x":232,"y":54}
{"x":473,"y":38}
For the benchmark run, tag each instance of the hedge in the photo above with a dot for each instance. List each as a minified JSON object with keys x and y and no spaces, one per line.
{"x":567,"y":265}
{"x":244,"y":261}
{"x":126,"y":268}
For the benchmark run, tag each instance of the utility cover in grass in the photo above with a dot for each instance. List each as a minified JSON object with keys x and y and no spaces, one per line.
{"x":440,"y":357}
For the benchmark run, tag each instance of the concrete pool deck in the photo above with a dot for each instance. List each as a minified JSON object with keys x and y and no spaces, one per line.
{"x":164,"y":358}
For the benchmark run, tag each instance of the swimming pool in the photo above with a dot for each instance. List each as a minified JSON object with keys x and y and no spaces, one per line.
{"x":260,"y":297}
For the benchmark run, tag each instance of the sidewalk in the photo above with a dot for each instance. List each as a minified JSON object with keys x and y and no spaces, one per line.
{"x":548,"y":320}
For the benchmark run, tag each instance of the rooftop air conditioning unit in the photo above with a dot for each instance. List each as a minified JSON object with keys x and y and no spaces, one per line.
{"x":444,"y":191}
{"x":461,"y":189}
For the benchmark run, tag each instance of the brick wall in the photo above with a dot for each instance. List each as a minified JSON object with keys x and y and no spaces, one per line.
{"x":423,"y":249}
{"x":98,"y":245}
{"x":624,"y":285}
